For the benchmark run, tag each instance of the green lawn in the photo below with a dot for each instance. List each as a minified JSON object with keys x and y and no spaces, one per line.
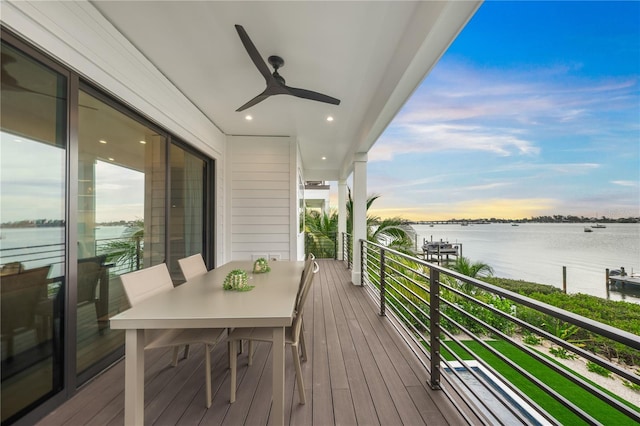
{"x":598,"y":409}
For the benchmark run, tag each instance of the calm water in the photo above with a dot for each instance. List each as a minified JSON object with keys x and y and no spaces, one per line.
{"x":531,"y":252}
{"x":537,"y":252}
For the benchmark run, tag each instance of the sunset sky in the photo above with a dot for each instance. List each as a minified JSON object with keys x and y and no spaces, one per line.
{"x":534,"y":110}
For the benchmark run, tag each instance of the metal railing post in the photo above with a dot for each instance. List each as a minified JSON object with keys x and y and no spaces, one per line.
{"x":434,"y":327}
{"x":382,"y":284}
{"x":350,"y":251}
{"x":362,"y":264}
{"x":137,"y":253}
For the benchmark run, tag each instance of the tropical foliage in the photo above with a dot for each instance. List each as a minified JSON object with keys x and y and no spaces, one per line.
{"x":471,"y":269}
{"x":321,"y":230}
{"x":394,"y":233}
{"x":126,"y":251}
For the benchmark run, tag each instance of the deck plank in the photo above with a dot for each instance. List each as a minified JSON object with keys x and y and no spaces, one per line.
{"x":359,"y":371}
{"x":379,"y":343}
{"x":361,"y":398}
{"x":322,"y":401}
{"x":337,"y":369}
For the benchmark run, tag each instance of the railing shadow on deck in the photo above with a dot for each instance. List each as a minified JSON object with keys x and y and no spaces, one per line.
{"x":467,"y":331}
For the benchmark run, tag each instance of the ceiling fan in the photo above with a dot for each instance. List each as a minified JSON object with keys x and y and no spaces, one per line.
{"x":275,"y":83}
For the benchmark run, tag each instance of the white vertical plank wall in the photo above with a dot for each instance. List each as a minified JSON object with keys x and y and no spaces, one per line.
{"x":260,"y":196}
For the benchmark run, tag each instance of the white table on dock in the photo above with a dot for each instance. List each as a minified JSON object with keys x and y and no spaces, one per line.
{"x":202,"y":303}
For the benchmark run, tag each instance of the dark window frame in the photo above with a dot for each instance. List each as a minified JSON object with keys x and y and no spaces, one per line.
{"x":71,"y":382}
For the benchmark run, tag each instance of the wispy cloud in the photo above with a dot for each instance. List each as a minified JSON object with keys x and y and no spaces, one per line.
{"x":626,"y":183}
{"x":501,"y":111}
{"x":437,"y":137}
{"x":561,"y":168}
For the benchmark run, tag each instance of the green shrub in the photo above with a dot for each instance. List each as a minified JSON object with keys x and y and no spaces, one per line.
{"x":531,"y":339}
{"x":561,"y":353}
{"x":598,"y":369}
{"x":522,"y":287}
{"x":631,"y":386}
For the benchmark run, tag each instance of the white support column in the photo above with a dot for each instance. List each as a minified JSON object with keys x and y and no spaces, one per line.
{"x":359,"y":211}
{"x":342,"y":215}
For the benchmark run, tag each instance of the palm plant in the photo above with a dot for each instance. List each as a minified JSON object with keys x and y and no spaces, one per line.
{"x":394,"y":233}
{"x":471,"y":269}
{"x":321,"y":230}
{"x":126,"y":251}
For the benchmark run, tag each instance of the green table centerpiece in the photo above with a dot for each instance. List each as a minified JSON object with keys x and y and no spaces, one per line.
{"x":237,"y":280}
{"x":261,"y":266}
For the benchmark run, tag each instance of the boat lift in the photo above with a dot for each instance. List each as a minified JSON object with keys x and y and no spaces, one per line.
{"x":440,"y":250}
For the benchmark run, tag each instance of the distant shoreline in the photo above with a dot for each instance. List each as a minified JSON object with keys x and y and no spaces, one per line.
{"x":519,"y":221}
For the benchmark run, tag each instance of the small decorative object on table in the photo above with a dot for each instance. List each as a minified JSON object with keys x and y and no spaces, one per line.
{"x":237,"y":280}
{"x":260,"y":266}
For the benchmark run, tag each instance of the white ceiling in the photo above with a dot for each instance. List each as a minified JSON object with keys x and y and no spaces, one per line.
{"x":369,"y":54}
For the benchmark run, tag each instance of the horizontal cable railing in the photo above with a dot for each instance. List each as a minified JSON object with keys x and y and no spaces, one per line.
{"x":123,"y":254}
{"x":33,"y":256}
{"x":480,"y":343}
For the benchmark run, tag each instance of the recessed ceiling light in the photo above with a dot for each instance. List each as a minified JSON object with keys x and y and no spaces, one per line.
{"x":143,"y":142}
{"x":103,"y":141}
{"x":110,"y":159}
{"x":248,"y":118}
{"x":329,"y":118}
{"x":324,"y":158}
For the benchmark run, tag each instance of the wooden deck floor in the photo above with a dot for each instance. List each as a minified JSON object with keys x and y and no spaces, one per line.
{"x":359,"y":371}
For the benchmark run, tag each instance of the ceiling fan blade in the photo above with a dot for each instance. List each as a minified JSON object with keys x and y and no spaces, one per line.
{"x":254,"y":54}
{"x":261,"y":97}
{"x":314,"y":96}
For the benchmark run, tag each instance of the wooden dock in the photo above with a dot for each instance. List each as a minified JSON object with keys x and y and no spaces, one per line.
{"x":437,"y":251}
{"x":623,"y":281}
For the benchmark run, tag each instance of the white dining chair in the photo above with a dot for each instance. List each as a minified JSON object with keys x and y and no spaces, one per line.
{"x":308,"y":265}
{"x":142,"y":284}
{"x":265,"y":334}
{"x":192,"y":266}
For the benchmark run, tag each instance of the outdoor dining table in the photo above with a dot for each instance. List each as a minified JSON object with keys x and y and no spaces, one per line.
{"x":203,"y":303}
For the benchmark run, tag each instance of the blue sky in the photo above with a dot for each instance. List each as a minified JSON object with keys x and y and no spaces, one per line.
{"x":533,"y":110}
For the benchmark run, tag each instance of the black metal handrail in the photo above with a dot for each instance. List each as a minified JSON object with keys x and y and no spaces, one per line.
{"x":432,"y":306}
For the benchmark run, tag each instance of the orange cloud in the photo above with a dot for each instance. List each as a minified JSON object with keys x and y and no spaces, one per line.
{"x":498,"y":208}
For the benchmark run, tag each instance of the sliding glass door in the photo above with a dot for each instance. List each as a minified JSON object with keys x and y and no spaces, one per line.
{"x":187,"y":209}
{"x":121,"y":218}
{"x":89,"y":190}
{"x":33,"y":152}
